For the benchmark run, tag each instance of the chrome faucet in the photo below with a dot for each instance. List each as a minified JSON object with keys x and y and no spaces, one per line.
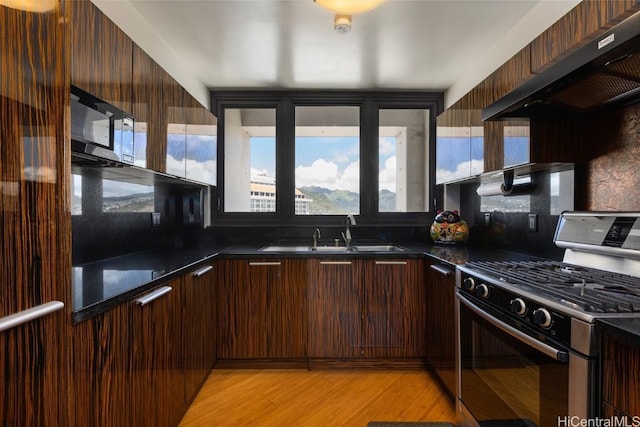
{"x":316,"y":236}
{"x":351,"y":220}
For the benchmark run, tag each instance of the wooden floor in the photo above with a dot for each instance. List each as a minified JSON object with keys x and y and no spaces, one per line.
{"x":316,"y":398}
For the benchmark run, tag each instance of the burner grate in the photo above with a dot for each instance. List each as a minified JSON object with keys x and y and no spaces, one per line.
{"x":588,"y":289}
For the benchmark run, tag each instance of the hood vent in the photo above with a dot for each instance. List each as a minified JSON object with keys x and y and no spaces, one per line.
{"x":604,"y":73}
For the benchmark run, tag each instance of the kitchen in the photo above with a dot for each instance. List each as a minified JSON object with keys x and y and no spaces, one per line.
{"x":99,"y":335}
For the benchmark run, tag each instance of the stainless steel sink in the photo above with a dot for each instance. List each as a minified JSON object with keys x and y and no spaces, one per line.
{"x":329,"y":249}
{"x":378,"y":248}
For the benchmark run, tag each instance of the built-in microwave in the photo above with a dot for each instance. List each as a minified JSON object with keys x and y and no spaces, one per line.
{"x":99,"y":129}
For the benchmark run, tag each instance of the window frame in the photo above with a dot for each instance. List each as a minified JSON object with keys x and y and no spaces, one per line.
{"x":285,"y":102}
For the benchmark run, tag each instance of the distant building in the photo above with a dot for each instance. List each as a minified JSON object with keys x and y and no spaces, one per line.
{"x":263,"y":196}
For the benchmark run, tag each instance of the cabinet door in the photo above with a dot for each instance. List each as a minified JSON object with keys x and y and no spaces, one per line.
{"x":35,"y":256}
{"x":453,"y":144}
{"x":158,"y":385}
{"x":242,"y":308}
{"x":286,"y":309}
{"x":150,"y":117}
{"x":101,"y":55}
{"x":199,"y":329}
{"x":202,"y":143}
{"x":335,"y":308}
{"x":394,"y":315}
{"x":101,"y":370}
{"x":621,"y":376}
{"x":176,"y":113}
{"x":440,"y":328}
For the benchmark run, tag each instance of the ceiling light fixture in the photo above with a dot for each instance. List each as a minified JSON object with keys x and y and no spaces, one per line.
{"x":344,"y":9}
{"x":349,"y":7}
{"x":38,"y":6}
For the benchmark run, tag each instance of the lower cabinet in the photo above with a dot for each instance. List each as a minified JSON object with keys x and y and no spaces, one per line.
{"x":142,"y":362}
{"x":620,"y":379}
{"x":261,"y":309}
{"x":366,"y":308}
{"x":440,"y":350}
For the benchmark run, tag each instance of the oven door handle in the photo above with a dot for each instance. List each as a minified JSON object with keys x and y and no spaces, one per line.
{"x":559,"y":355}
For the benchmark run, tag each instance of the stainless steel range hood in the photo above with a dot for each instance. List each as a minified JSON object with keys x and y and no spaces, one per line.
{"x":603,"y":73}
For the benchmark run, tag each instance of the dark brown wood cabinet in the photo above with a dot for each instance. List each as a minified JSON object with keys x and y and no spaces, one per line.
{"x":366,"y":308}
{"x":440,"y":331}
{"x":393,"y":308}
{"x":101,"y":370}
{"x":261,"y":309}
{"x":34,"y":241}
{"x":335,"y":308}
{"x":101,"y":55}
{"x":199,"y":327}
{"x":150,"y":116}
{"x":158,"y":385}
{"x":620,"y":378}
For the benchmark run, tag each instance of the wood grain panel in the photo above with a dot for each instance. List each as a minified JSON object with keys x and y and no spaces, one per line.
{"x":511,"y":74}
{"x":393,"y":308}
{"x":150,"y":117}
{"x":158,"y":377}
{"x":620,"y":374}
{"x":287,"y":311}
{"x":101,"y":370}
{"x":493,"y":146}
{"x":242,"y":311}
{"x":34,"y":241}
{"x":101,"y":58}
{"x":580,"y":25}
{"x":335,"y":309}
{"x":440,"y":330}
{"x":199,"y":315}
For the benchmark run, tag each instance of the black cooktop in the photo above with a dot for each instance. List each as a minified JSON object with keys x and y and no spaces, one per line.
{"x":583,"y":288}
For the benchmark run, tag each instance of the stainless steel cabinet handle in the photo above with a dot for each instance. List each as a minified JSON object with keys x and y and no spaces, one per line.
{"x":335,"y":262}
{"x":203,"y":271}
{"x":265,"y":263}
{"x":441,"y":270}
{"x":29,"y":314}
{"x":153,"y":295}
{"x":391,"y":262}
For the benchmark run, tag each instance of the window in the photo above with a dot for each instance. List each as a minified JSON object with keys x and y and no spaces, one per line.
{"x":402,"y":159}
{"x":312,"y":157}
{"x":250,"y":160}
{"x":327,"y":160}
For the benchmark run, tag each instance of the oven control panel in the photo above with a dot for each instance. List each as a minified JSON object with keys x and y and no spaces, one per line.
{"x":519,"y":309}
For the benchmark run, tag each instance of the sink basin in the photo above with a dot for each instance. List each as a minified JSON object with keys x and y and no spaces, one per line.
{"x":280,"y":248}
{"x":378,"y":248}
{"x":329,"y":249}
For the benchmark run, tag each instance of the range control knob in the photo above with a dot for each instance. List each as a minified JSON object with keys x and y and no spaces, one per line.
{"x":482,"y":290}
{"x":469,"y":284}
{"x":518,"y":306}
{"x":542,"y":317}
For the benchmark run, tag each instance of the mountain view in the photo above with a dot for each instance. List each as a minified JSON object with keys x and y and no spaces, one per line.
{"x":327,"y":201}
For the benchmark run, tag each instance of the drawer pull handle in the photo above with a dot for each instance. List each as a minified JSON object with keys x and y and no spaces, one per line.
{"x":391,"y":262}
{"x":29,"y":314}
{"x":258,"y":263}
{"x":153,"y":295}
{"x":444,"y":271}
{"x":202,"y":271}
{"x":335,"y":262}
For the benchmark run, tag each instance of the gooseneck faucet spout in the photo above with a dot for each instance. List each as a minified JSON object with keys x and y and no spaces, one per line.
{"x":316,"y":236}
{"x":351,"y":220}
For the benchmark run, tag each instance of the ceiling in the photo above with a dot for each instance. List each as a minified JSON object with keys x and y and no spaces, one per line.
{"x":403,"y":44}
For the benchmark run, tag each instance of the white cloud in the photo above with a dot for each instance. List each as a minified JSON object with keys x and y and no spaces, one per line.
{"x":463,"y":170}
{"x":387,"y":176}
{"x":199,"y":171}
{"x":350,"y":179}
{"x":387,"y":146}
{"x":321,"y":173}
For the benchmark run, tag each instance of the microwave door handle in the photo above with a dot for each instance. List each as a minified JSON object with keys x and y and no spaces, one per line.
{"x":559,"y":355}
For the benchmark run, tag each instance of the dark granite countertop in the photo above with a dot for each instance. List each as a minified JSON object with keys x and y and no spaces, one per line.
{"x":626,"y":330}
{"x":98,"y":286}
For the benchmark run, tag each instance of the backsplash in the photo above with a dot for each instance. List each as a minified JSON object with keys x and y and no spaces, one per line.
{"x":614,"y":178}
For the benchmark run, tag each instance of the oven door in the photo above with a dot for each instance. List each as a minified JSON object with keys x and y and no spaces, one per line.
{"x":506,"y":376}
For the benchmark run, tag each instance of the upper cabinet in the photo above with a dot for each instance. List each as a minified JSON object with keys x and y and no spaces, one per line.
{"x":202,"y":143}
{"x":101,"y":55}
{"x":582,"y":24}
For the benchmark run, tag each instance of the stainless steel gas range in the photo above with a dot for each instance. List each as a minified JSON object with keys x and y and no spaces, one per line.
{"x":528,"y":352}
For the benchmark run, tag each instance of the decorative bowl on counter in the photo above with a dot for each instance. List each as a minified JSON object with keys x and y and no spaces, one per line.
{"x":449,"y":228}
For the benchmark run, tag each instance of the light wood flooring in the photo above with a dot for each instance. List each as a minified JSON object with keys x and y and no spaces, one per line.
{"x":256,"y":398}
